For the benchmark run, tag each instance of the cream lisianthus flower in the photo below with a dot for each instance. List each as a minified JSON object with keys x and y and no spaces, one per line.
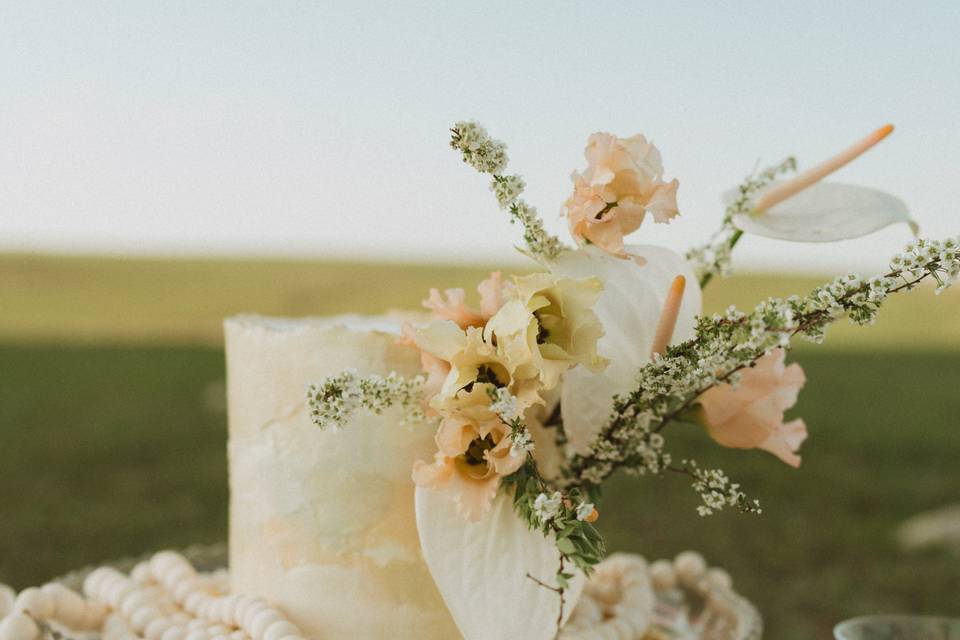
{"x":547,"y":325}
{"x":472,"y":360}
{"x":623,"y":181}
{"x":474,"y":453}
{"x":750,"y":416}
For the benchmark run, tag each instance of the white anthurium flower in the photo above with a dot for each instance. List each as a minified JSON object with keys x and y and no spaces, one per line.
{"x":804,"y":209}
{"x":481,"y":569}
{"x":825,"y":212}
{"x":634,"y":292}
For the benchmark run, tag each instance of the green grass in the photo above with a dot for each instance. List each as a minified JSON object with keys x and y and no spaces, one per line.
{"x":112,"y":443}
{"x":115,"y":451}
{"x":162,"y":301}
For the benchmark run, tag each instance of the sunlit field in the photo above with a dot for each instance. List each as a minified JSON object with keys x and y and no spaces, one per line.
{"x":112,"y":431}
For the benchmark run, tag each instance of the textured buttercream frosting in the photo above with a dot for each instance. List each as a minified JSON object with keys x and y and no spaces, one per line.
{"x":322,"y":522}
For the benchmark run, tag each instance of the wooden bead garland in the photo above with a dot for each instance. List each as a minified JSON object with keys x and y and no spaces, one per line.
{"x":162,"y":599}
{"x":626,"y":599}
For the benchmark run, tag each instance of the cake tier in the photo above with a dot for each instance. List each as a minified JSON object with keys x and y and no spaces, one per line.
{"x":322,"y":522}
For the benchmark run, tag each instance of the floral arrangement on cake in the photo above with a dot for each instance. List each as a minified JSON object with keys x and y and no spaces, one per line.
{"x":564,"y":376}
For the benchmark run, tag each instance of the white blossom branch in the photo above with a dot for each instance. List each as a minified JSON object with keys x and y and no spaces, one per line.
{"x":725,"y":344}
{"x":337,"y":398}
{"x":715,"y":257}
{"x":487,"y":155}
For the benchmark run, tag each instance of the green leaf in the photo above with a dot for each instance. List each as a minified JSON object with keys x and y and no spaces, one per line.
{"x":565,"y":546}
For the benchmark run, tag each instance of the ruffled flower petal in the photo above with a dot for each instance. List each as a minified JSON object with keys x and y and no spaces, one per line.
{"x":750,"y":416}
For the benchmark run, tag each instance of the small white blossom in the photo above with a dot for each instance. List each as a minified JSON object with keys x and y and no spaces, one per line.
{"x":479,"y":150}
{"x":546,"y":508}
{"x":504,"y":403}
{"x":334,"y":401}
{"x":584,"y":510}
{"x":520,"y":442}
{"x":507,"y":189}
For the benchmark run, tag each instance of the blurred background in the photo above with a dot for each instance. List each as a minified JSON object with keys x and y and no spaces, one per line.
{"x":163,"y":165}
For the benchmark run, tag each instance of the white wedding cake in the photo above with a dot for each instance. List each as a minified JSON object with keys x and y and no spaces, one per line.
{"x":322,"y":522}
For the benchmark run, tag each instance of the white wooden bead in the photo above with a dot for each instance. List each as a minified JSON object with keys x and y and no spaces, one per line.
{"x":206,"y":607}
{"x":144,"y":616}
{"x":156,"y":628}
{"x":174,"y":633}
{"x":93,"y":616}
{"x":117,"y":592}
{"x":225,"y":611}
{"x":719,"y":579}
{"x":181,"y":590}
{"x":237,"y":604}
{"x":690,"y":567}
{"x":261,"y":621}
{"x":163,"y":560}
{"x":280,"y":629}
{"x":18,"y":626}
{"x":7,"y":597}
{"x":114,"y":624}
{"x":70,"y":606}
{"x":170,"y":579}
{"x":39,"y":604}
{"x":192,"y":601}
{"x":255,"y":609}
{"x":141,"y":573}
{"x":94,"y":581}
{"x":133,"y":601}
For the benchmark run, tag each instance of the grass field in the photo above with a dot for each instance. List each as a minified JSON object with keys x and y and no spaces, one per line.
{"x":184,"y":301}
{"x":112,"y":433}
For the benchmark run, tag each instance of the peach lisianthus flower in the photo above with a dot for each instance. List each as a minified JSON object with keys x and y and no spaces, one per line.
{"x":451,"y":305}
{"x":474,"y":452}
{"x":547,"y":325}
{"x":623,"y":181}
{"x":751,"y":416}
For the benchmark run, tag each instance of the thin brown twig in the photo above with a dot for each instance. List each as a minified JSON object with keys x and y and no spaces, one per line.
{"x":562,"y":601}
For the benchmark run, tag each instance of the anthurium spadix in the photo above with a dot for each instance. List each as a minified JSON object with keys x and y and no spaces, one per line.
{"x":484,"y":569}
{"x":634,"y":293}
{"x":804,"y":209}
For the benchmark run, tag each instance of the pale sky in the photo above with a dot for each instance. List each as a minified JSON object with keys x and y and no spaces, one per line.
{"x":320,"y":129}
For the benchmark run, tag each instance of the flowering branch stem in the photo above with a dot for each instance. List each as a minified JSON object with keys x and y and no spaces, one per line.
{"x":489,"y":156}
{"x":731,"y":243}
{"x":562,"y":593}
{"x":714,"y":257}
{"x":545,"y":585}
{"x":724,"y":345}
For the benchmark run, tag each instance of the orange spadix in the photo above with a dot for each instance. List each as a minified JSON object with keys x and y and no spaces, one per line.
{"x":668,"y":316}
{"x":791,"y":187}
